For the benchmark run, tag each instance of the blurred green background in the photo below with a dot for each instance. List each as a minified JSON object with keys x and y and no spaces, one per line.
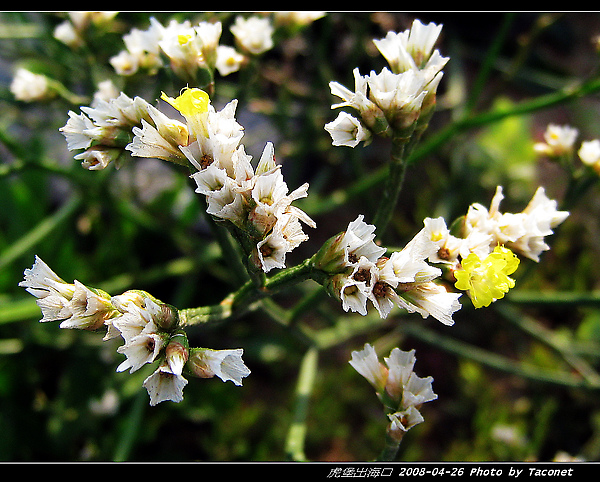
{"x":517,"y":381}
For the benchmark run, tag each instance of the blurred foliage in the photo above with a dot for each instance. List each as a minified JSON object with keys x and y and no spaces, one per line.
{"x":142,"y":227}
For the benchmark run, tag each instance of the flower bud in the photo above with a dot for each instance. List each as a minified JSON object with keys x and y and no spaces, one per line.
{"x":331,"y":257}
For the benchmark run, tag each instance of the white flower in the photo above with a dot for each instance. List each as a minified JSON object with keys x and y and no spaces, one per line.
{"x":97,"y":158}
{"x":358,"y":241}
{"x":229,"y":60}
{"x":253,"y":34}
{"x":65,"y":32}
{"x":412,"y":49}
{"x":347,"y":130}
{"x":297,"y":19}
{"x":30,"y":87}
{"x":589,"y":153}
{"x":559,"y":140}
{"x":225,"y":364}
{"x":125,"y":63}
{"x":141,"y":349}
{"x":164,"y":385}
{"x":356,"y":288}
{"x":368,"y":365}
{"x":404,"y":420}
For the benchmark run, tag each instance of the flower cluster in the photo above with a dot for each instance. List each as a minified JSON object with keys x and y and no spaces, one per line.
{"x":150,"y":329}
{"x":358,"y":272}
{"x":257,"y":202}
{"x":394,"y":103}
{"x":400,"y":390}
{"x":192,"y":50}
{"x":480,"y":256}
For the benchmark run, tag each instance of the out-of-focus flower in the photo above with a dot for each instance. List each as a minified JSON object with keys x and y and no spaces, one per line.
{"x":559,"y":140}
{"x":589,"y":153}
{"x":253,"y":34}
{"x":30,"y":87}
{"x":229,"y":60}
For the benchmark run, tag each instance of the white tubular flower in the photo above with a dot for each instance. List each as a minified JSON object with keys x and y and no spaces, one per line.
{"x":161,"y":140}
{"x":359,"y":241}
{"x":225,"y":364}
{"x":347,"y":130}
{"x":76,"y":131}
{"x":357,"y":288}
{"x":272,"y":250}
{"x":403,"y":420}
{"x":141,"y":349}
{"x":383,"y":294}
{"x":368,"y":365}
{"x":164,"y":385}
{"x":139,"y":313}
{"x":75,"y":305}
{"x":98,"y":158}
{"x":65,"y":32}
{"x":559,"y":140}
{"x":29,"y":87}
{"x":122,"y":111}
{"x":254,"y":34}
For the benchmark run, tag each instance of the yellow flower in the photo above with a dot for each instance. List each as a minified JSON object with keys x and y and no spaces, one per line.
{"x":487,"y":279}
{"x":193,"y":106}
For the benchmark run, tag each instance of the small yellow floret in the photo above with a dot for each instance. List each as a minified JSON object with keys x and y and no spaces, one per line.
{"x":487,"y":280}
{"x":191,"y":102}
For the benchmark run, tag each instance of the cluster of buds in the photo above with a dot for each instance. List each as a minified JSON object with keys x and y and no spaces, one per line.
{"x":400,"y":390}
{"x":257,"y":203}
{"x":357,"y":272}
{"x":151,"y":331}
{"x":483,"y":252}
{"x":396,"y":103}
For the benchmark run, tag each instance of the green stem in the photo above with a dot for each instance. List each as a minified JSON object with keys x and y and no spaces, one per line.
{"x":390,"y":450}
{"x":547,"y":337}
{"x":464,"y":350}
{"x":392,"y":188}
{"x":316,"y":205}
{"x":242,"y":299}
{"x":294,"y":446}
